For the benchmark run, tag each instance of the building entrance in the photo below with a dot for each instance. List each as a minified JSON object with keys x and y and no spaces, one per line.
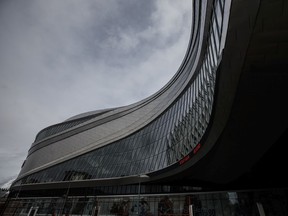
{"x":193,"y":204}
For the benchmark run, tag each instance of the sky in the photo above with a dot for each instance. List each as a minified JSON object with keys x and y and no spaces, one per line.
{"x":60,"y":58}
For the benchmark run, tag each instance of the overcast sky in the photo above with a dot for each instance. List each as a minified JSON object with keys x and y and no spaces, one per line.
{"x":60,"y":58}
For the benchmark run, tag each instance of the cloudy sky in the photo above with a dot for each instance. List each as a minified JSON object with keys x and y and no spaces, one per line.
{"x":60,"y":58}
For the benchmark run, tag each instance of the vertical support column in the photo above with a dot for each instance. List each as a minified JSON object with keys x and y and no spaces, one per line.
{"x":190,"y":210}
{"x":260,"y":209}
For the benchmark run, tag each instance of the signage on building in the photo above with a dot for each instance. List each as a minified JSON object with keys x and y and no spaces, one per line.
{"x":184,"y":160}
{"x":187,"y":157}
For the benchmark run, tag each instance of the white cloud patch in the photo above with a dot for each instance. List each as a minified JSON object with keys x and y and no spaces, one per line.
{"x":61,"y":58}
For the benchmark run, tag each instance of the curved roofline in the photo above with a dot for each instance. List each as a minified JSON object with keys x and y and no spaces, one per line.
{"x":90,"y":113}
{"x":142,"y":102}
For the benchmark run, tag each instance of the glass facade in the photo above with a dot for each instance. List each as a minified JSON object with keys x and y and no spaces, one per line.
{"x":166,"y":140}
{"x":252,"y":203}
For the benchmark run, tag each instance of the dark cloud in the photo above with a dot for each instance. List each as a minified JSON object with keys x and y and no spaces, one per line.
{"x":62,"y":58}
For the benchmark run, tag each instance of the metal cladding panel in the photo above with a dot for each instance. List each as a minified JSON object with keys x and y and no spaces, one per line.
{"x":98,"y":136}
{"x":144,"y":112}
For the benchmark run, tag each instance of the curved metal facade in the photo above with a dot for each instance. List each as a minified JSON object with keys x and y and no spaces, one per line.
{"x":144,"y":137}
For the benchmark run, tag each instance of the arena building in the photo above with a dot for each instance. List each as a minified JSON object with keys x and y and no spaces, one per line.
{"x":210,"y":142}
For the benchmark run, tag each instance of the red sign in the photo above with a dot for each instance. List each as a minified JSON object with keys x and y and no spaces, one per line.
{"x":184,"y":160}
{"x":187,"y":157}
{"x":196,"y":149}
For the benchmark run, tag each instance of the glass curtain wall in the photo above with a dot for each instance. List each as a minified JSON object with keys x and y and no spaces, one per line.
{"x":209,"y":204}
